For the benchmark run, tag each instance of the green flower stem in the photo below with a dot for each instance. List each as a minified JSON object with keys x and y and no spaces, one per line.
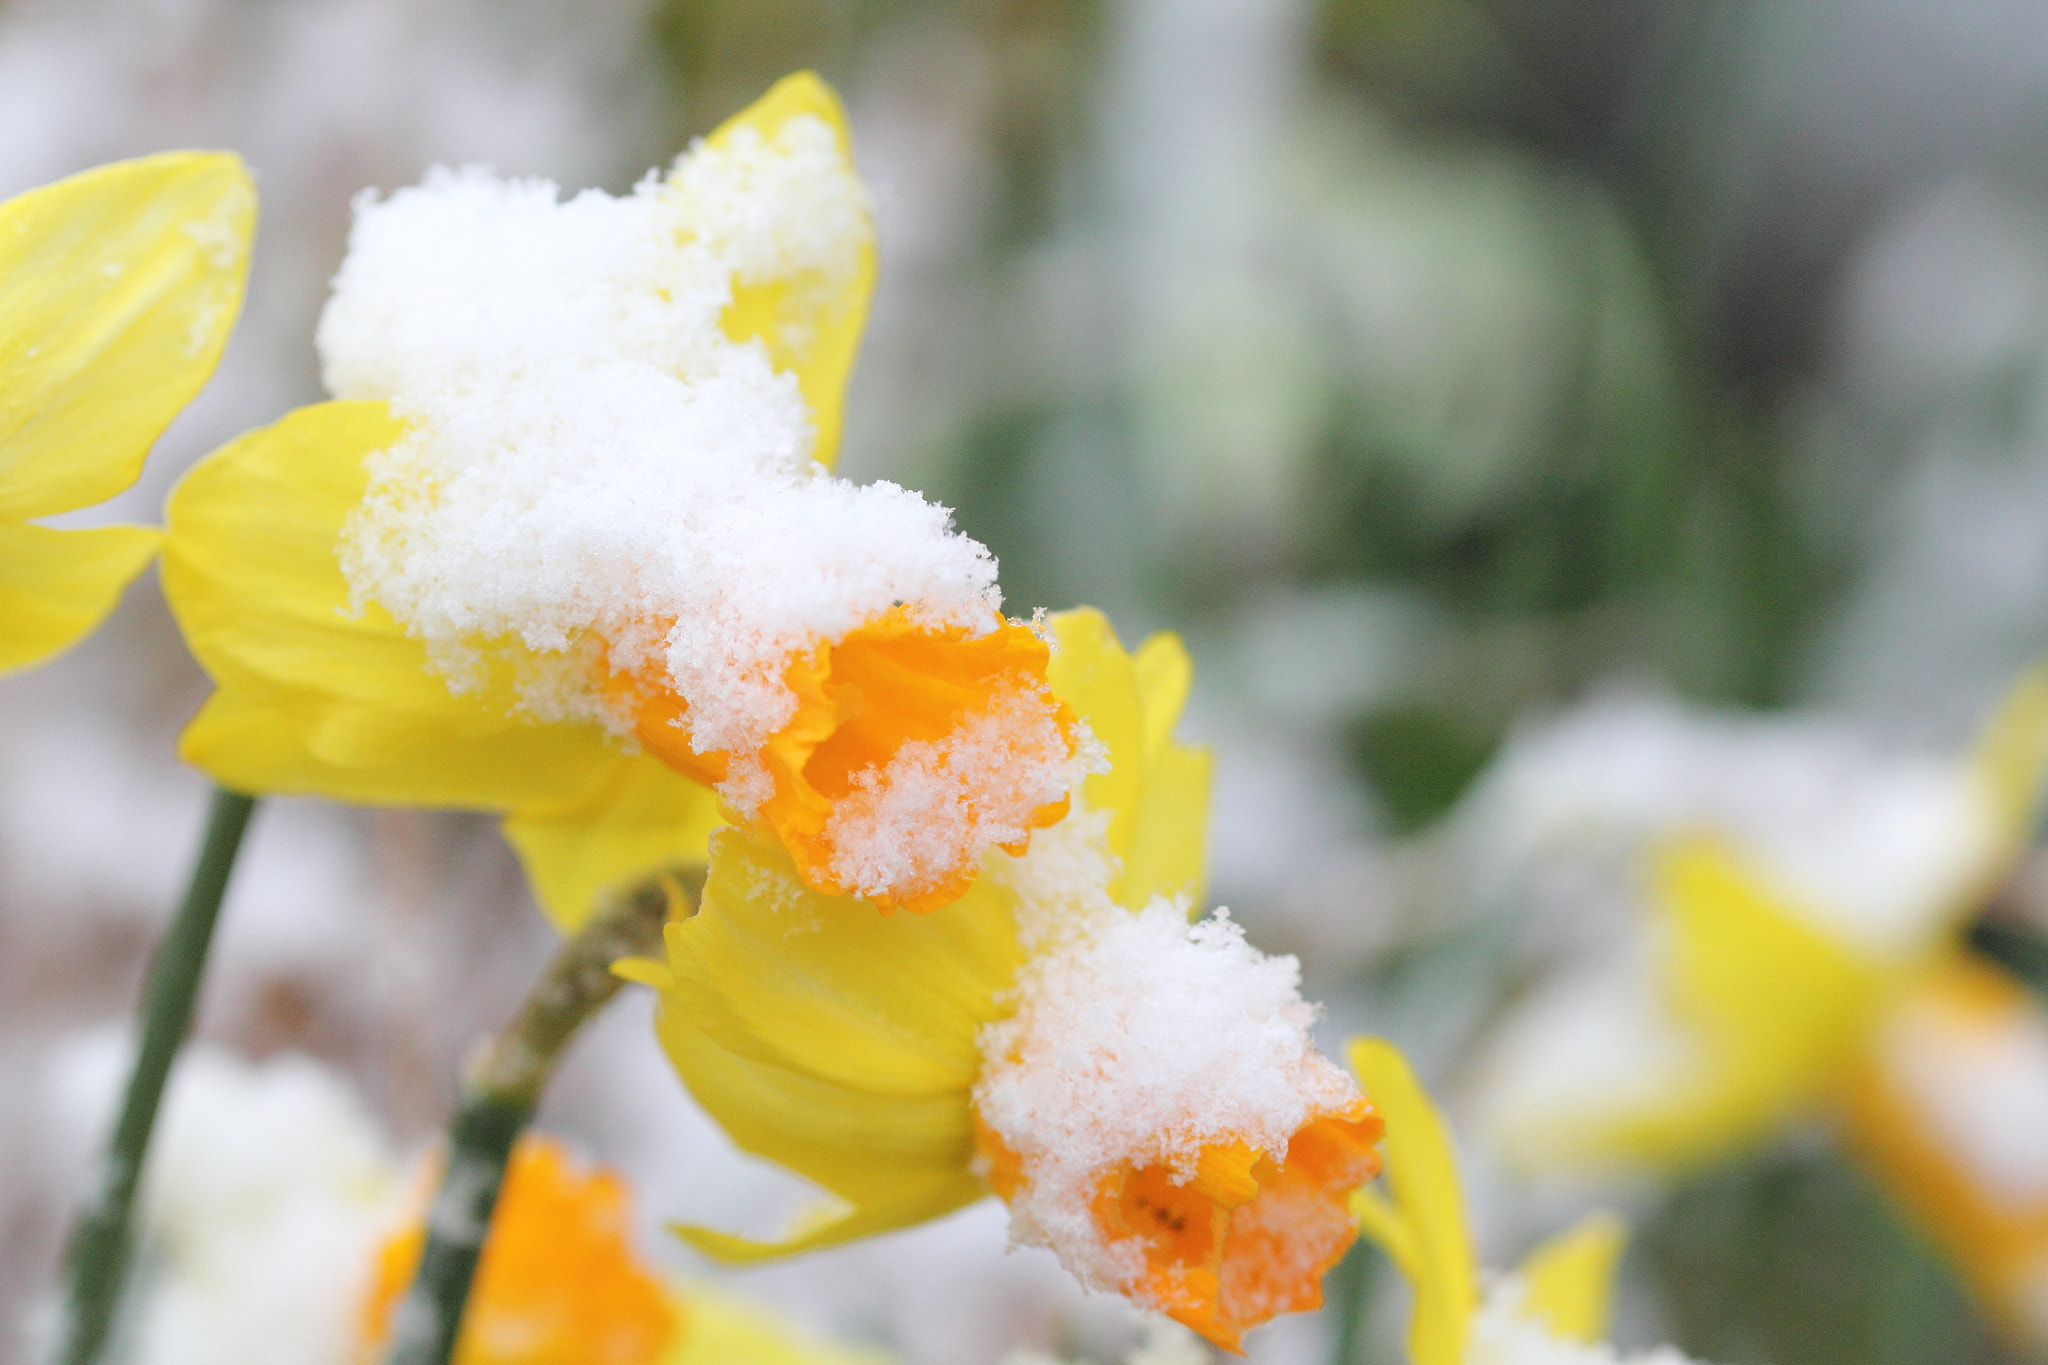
{"x":97,"y":1260}
{"x":499,"y":1095}
{"x":2014,"y":947}
{"x":1348,"y":1286}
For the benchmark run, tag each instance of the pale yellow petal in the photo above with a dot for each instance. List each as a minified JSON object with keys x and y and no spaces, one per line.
{"x":1569,"y":1280}
{"x":1164,"y":675}
{"x":118,"y":288}
{"x":1092,"y":674}
{"x":1384,"y":1226}
{"x":55,"y":586}
{"x":829,"y":987}
{"x":2012,"y":756}
{"x":1772,"y":1009}
{"x":643,"y":818}
{"x":834,"y":1040}
{"x":1423,"y":1176}
{"x":890,"y":1161}
{"x":316,"y":698}
{"x":1167,"y":852}
{"x":808,"y":325}
{"x":1157,"y":791}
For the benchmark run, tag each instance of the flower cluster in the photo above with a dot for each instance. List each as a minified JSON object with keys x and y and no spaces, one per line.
{"x":566,"y":544}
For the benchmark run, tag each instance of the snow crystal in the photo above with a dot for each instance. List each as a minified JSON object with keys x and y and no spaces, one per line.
{"x":596,"y":478}
{"x":936,"y":806}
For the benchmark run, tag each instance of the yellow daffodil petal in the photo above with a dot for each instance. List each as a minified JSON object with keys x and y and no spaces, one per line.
{"x":2012,"y":757}
{"x":1167,"y":853}
{"x":1164,"y":675}
{"x":1422,"y":1175}
{"x":809,"y":326}
{"x":645,"y":816}
{"x":118,"y":288}
{"x":1385,"y":1227}
{"x":1777,"y":1005}
{"x":824,"y":986}
{"x":55,"y":586}
{"x":718,"y":1329}
{"x":889,"y":1162}
{"x":1569,"y":1280}
{"x":315,"y":697}
{"x":835,"y":1041}
{"x":1157,"y":791}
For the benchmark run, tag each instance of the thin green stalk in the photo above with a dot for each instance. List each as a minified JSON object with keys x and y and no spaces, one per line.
{"x":498,"y":1097}
{"x":1348,"y":1285}
{"x":97,"y":1260}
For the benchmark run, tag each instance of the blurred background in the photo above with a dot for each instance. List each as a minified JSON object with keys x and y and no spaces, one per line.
{"x":1550,"y":423}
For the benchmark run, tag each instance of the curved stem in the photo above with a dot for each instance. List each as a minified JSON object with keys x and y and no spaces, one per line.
{"x":96,"y":1263}
{"x":499,"y":1095}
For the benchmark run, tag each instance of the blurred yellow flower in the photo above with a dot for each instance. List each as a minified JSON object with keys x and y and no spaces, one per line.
{"x":1756,"y":1012}
{"x":1552,"y":1311}
{"x":559,"y":1283}
{"x":118,"y":288}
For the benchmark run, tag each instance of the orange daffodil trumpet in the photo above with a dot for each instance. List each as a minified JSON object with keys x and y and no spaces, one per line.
{"x":561,"y":1283}
{"x":559,"y":1279}
{"x":282,"y":1224}
{"x":568,"y":545}
{"x":1142,"y":1092}
{"x":118,"y":288}
{"x":1551,"y":1311}
{"x":1948,"y":1108}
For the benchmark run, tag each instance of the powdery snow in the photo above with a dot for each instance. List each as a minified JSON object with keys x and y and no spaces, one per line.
{"x":1138,"y":1039}
{"x":595,"y":477}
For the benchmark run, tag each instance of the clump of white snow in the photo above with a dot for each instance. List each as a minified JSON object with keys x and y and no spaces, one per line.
{"x":1504,"y":1333}
{"x":1138,"y":1039}
{"x":936,"y":806}
{"x":595,"y":479}
{"x":1982,"y":1083}
{"x":269,"y":1192}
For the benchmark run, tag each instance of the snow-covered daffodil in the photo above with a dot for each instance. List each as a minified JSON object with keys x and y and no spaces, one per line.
{"x":1141,"y":1092}
{"x":567,"y":545}
{"x":118,"y":288}
{"x":1745,"y":998}
{"x":1551,"y":1311}
{"x":1947,"y":1106}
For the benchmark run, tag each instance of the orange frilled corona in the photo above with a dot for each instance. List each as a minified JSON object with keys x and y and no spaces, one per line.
{"x":889,"y":684}
{"x":1243,"y":1240}
{"x":558,"y":1283}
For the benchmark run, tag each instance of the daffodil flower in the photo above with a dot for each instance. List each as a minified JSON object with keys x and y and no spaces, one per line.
{"x":118,"y":288}
{"x":560,"y":1283}
{"x":567,"y":546}
{"x":1748,"y":998}
{"x":1947,"y":1106}
{"x":282,"y":1224}
{"x":1552,"y":1311}
{"x":1142,"y":1092}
